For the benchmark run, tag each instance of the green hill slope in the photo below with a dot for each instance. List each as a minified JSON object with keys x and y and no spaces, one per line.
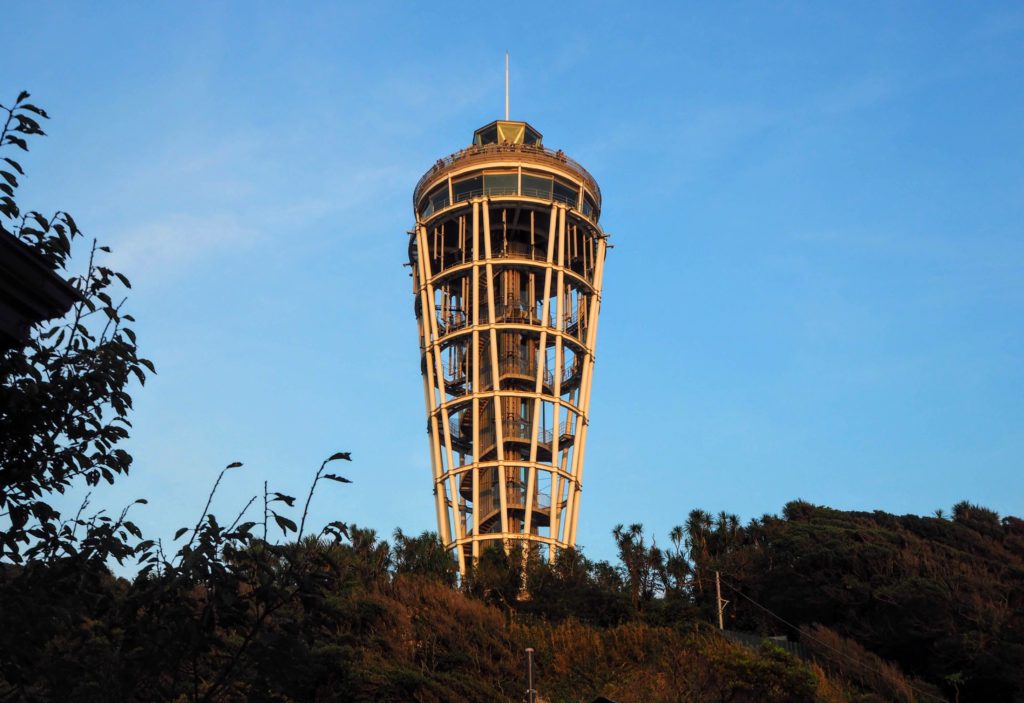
{"x":942,"y":597}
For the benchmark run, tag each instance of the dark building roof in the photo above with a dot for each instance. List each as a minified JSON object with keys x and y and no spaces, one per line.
{"x":30,"y":292}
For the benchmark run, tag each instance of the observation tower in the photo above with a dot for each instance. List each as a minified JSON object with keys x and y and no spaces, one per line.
{"x":507,"y":259}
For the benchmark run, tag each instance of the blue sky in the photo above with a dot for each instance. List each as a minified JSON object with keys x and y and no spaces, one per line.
{"x":816,"y":289}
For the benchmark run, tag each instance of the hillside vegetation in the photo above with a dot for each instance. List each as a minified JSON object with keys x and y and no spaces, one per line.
{"x":359,"y":621}
{"x":942,"y":597}
{"x":354,"y":618}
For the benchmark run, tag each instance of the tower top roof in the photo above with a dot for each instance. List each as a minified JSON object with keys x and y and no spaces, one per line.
{"x":507,"y":132}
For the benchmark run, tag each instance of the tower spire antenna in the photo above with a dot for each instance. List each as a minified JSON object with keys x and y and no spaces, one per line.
{"x":506,"y":84}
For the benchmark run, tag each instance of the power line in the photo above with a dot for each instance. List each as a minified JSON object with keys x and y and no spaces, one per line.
{"x":823,"y":643}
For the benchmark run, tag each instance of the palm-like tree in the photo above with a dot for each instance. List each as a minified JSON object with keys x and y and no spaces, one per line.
{"x":643,"y":566}
{"x":698,"y":532}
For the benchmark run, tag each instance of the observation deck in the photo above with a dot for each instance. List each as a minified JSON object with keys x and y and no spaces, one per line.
{"x":503,"y":143}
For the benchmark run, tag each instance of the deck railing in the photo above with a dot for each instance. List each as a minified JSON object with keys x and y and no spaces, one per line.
{"x":490,"y":499}
{"x":526,"y":152}
{"x":459,"y":372}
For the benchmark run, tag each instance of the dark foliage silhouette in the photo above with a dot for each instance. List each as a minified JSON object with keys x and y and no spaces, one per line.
{"x":65,"y":401}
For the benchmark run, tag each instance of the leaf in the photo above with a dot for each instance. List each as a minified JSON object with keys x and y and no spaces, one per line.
{"x":15,"y":165}
{"x":285,"y":524}
{"x":335,"y":477}
{"x":26,"y":125}
{"x":347,"y":456}
{"x":32,"y":108}
{"x":71,"y":223}
{"x":233,"y":465}
{"x":339,"y":527}
{"x":141,"y":501}
{"x":124,"y":279}
{"x":21,"y":96}
{"x":180,"y":532}
{"x":8,"y":206}
{"x":105,"y":249}
{"x":288,"y":500}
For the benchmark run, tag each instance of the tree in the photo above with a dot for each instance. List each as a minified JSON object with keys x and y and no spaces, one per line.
{"x":697,"y":535}
{"x":643,"y":566}
{"x":424,"y":555}
{"x":64,"y":397}
{"x":677,"y":567}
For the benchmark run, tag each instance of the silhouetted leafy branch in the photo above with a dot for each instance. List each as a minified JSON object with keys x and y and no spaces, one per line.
{"x":65,"y":394}
{"x":319,"y":474}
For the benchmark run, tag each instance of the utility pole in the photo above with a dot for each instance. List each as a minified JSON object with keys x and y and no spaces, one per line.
{"x":531,"y":695}
{"x":719,"y":602}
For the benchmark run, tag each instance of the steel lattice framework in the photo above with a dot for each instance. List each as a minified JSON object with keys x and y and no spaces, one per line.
{"x":507,"y":258}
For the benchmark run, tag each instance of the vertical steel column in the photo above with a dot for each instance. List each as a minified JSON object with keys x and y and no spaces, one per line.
{"x":588,"y":376}
{"x":539,"y":387}
{"x":499,"y":437}
{"x":427,"y":326}
{"x":451,"y":493}
{"x":476,"y":382}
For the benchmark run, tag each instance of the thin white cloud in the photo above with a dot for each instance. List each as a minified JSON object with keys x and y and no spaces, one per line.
{"x":165,"y":245}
